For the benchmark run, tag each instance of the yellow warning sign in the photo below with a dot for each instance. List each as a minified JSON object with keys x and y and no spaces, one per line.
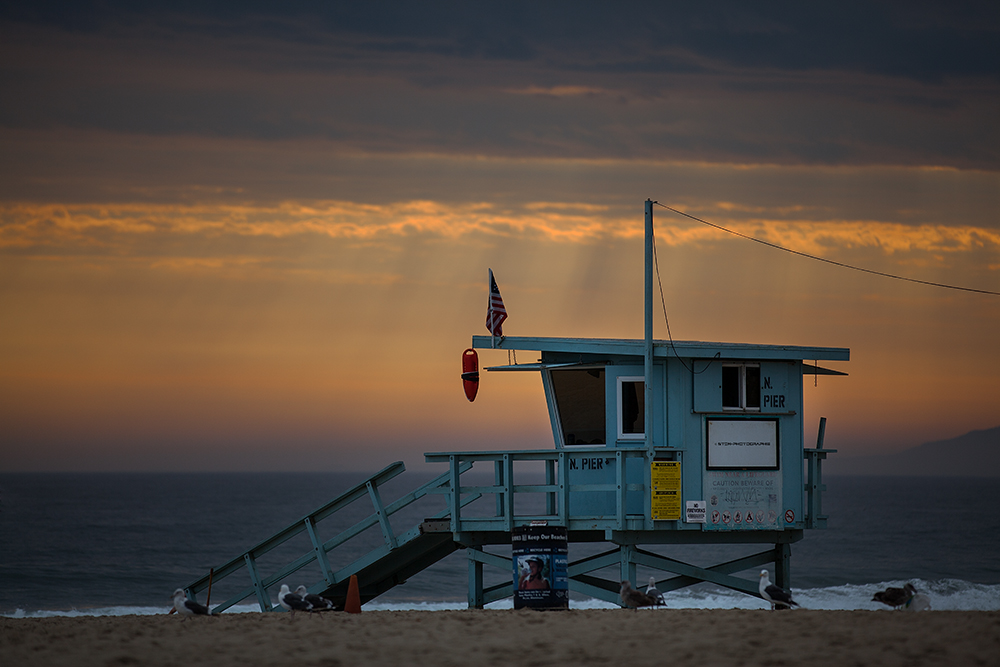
{"x":665,"y":499}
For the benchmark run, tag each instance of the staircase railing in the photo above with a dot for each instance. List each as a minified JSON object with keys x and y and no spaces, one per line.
{"x":258,"y":584}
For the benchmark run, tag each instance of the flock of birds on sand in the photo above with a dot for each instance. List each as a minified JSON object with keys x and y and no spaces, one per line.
{"x":906,"y":597}
{"x":301,"y":599}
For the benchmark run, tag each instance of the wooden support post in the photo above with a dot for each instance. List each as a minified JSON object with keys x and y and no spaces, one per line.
{"x":479,"y":594}
{"x":550,"y":479}
{"x":475,"y":579}
{"x":627,"y":563}
{"x":783,"y":565}
{"x":508,"y":492}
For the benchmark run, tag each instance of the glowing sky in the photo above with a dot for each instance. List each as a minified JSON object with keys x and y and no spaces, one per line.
{"x":243,"y":237}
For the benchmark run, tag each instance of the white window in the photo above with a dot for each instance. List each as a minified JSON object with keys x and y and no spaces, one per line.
{"x":631,"y":408}
{"x":741,"y":387}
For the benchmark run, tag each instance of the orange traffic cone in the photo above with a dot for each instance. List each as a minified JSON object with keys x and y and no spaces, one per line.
{"x":353,"y":603}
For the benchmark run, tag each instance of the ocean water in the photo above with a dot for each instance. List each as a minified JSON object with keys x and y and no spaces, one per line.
{"x":89,"y":544}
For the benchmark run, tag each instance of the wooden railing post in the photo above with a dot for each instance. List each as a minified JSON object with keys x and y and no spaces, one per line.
{"x":258,"y":585}
{"x":324,"y":562}
{"x":456,"y":493}
{"x":621,"y":485}
{"x":376,"y":497}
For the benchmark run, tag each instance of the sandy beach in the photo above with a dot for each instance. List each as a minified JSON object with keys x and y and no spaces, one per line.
{"x":476,"y":637}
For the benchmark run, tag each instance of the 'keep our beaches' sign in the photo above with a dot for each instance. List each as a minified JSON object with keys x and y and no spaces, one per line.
{"x":539,"y":555}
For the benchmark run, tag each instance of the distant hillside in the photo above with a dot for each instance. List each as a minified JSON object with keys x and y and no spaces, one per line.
{"x":975,"y":454}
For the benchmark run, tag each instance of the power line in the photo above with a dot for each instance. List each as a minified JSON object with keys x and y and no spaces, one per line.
{"x":670,"y":337}
{"x":823,"y":259}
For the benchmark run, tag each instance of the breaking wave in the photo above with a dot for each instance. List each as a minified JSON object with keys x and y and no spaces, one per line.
{"x":944,"y":594}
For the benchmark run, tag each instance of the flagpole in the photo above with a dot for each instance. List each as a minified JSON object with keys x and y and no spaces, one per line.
{"x":496,"y":313}
{"x":489,"y":307}
{"x":648,"y":348}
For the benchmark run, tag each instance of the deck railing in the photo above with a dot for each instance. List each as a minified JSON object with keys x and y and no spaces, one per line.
{"x":814,"y":485}
{"x":555,"y":485}
{"x":557,"y":488}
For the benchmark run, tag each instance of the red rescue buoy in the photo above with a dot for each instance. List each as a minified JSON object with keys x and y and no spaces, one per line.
{"x":470,"y":373}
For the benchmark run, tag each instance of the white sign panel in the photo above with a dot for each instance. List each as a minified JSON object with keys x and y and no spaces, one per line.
{"x":742,"y":443}
{"x":744,"y":500}
{"x":696,"y":511}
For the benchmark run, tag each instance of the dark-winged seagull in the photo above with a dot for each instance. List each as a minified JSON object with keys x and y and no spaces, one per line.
{"x":895,"y":597}
{"x":634,"y":599}
{"x":778,"y":597}
{"x":651,"y":591}
{"x":316,"y":602}
{"x":187,"y":607}
{"x":291,"y":601}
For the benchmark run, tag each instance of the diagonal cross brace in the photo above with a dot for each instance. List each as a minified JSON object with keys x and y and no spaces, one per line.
{"x":716,"y":574}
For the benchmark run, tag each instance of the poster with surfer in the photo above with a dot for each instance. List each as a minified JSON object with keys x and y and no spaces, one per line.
{"x":539,"y":556}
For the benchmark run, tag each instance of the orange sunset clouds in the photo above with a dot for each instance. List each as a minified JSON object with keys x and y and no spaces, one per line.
{"x":239,"y":239}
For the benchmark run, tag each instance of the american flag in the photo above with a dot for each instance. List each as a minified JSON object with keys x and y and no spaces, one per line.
{"x":495,"y":312}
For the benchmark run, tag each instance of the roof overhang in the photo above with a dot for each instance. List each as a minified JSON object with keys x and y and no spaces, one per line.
{"x":540,"y":366}
{"x":663,"y":349}
{"x":814,"y":369}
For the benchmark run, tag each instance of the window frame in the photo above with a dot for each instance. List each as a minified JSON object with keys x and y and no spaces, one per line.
{"x":619,"y":407}
{"x":742,"y":386}
{"x":556,"y":413}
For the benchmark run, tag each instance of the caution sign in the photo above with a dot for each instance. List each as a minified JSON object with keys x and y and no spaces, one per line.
{"x":665,"y":499}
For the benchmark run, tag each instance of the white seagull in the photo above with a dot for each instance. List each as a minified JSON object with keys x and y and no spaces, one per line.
{"x":291,"y":601}
{"x":919,"y":602}
{"x":778,"y":597}
{"x":317,"y":602}
{"x":187,"y":607}
{"x":655,"y":595}
{"x":634,"y":599}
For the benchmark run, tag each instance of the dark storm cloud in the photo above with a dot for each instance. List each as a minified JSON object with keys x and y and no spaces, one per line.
{"x":913,"y":39}
{"x":843,"y":84}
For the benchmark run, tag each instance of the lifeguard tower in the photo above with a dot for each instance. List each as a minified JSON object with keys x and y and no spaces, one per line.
{"x":656,"y":443}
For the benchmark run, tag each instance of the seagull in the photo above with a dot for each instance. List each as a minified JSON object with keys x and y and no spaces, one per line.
{"x":919,"y":602}
{"x":778,"y":597}
{"x":634,"y":599}
{"x":654,"y":595}
{"x":187,"y":607}
{"x":291,"y":601}
{"x":317,"y":602}
{"x":896,"y":597}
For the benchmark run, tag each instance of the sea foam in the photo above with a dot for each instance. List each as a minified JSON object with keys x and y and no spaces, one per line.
{"x":944,"y":594}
